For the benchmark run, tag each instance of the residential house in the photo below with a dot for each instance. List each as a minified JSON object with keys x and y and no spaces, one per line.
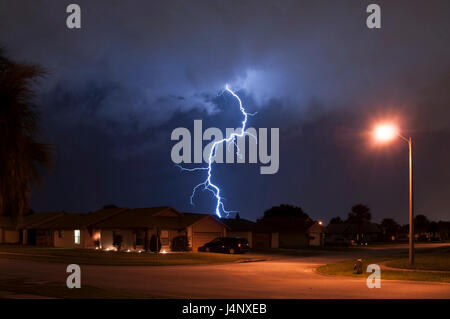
{"x":70,"y":230}
{"x":202,"y":228}
{"x":240,"y":227}
{"x":102,"y":228}
{"x":286,"y":232}
{"x":137,"y":226}
{"x":29,"y":228}
{"x":316,"y":234}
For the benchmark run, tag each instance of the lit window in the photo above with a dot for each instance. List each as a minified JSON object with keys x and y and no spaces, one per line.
{"x":77,"y":235}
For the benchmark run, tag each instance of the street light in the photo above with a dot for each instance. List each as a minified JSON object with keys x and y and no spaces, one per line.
{"x":385,"y":133}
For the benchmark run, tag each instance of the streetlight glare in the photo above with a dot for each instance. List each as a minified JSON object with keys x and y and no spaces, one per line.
{"x":385,"y":132}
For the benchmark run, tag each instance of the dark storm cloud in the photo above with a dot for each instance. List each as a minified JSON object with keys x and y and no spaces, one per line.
{"x":138,"y":69}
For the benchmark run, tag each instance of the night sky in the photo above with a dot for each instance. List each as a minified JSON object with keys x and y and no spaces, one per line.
{"x":136,"y":70}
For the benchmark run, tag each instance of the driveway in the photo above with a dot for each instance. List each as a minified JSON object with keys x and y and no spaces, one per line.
{"x":284,"y":277}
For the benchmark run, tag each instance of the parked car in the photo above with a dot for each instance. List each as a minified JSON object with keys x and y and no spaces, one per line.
{"x":231,"y":245}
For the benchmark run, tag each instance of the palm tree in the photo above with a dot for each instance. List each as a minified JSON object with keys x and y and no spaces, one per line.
{"x":21,"y":154}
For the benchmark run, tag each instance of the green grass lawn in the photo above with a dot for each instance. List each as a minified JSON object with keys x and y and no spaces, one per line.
{"x":433,"y":261}
{"x":95,"y":257}
{"x":423,"y":262}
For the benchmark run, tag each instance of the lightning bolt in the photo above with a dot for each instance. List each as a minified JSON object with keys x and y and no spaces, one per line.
{"x":207,"y":184}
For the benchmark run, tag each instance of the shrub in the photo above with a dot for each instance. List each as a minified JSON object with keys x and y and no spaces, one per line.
{"x":153,"y":246}
{"x":117,"y":242}
{"x":180,"y":243}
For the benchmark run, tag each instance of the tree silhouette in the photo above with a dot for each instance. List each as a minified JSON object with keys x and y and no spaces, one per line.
{"x":421,"y":224}
{"x":155,"y":244}
{"x":21,"y":154}
{"x":336,"y":220}
{"x":433,"y":228}
{"x":360,"y":214}
{"x":285,"y":210}
{"x":390,"y":227}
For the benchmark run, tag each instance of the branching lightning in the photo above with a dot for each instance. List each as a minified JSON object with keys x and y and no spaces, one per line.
{"x":207,"y":184}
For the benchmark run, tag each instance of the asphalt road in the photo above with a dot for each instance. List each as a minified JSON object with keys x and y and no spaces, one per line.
{"x":285,"y":277}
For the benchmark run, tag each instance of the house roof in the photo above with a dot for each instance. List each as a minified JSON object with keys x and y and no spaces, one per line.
{"x":239,"y":224}
{"x":71,"y":221}
{"x":316,"y":227}
{"x":6,"y":222}
{"x":34,"y":220}
{"x":153,"y":217}
{"x":192,"y":218}
{"x":113,"y":217}
{"x":189,"y":219}
{"x":163,"y":216}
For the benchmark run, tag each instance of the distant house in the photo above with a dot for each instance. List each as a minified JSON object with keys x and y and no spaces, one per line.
{"x":287,"y":232}
{"x":316,"y":234}
{"x":102,"y":228}
{"x":30,"y":232}
{"x":368,"y":232}
{"x":68,"y":230}
{"x":240,"y":227}
{"x":24,"y":231}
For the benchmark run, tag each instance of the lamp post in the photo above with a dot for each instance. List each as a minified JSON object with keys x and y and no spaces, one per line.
{"x":384,"y":133}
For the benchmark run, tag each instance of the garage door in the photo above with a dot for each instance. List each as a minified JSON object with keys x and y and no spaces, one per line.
{"x":201,"y":238}
{"x":261,"y":240}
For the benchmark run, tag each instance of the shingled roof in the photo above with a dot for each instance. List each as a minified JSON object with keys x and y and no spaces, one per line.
{"x":143,"y":218}
{"x":6,"y":222}
{"x":239,"y":224}
{"x":114,"y":217}
{"x":34,"y":220}
{"x":192,"y":218}
{"x":71,"y":221}
{"x":153,"y":217}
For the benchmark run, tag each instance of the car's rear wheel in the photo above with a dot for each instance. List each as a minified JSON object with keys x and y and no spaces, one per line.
{"x":231,"y":251}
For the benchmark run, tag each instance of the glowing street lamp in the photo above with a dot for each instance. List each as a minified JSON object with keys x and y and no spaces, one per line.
{"x":385,"y":133}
